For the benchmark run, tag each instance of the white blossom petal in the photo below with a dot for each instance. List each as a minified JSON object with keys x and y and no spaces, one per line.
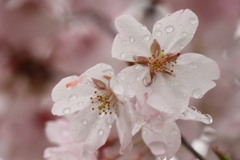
{"x":91,"y":128}
{"x":191,"y":113}
{"x":133,"y":39}
{"x":130,"y":81}
{"x":69,"y":100}
{"x":163,"y":142}
{"x":124,"y":126}
{"x":196,"y":73}
{"x":175,"y":31}
{"x":168,"y":95}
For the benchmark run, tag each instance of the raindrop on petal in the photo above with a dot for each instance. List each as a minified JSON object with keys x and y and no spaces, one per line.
{"x":193,"y":108}
{"x":100,"y":132}
{"x":193,"y":20}
{"x":66,"y":110}
{"x":72,"y":97}
{"x":158,"y":33}
{"x":84,"y":122}
{"x":80,"y":103}
{"x":169,"y":29}
{"x":147,"y":37}
{"x":158,"y":25}
{"x":123,"y":42}
{"x":143,"y":27}
{"x":184,"y":34}
{"x":110,"y":126}
{"x":180,"y":27}
{"x":123,"y":54}
{"x":209,"y":118}
{"x":131,"y":39}
{"x":137,"y":67}
{"x":197,"y":93}
{"x":158,"y":148}
{"x":118,"y":89}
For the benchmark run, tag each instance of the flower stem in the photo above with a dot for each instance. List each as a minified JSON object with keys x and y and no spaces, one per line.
{"x":191,"y":149}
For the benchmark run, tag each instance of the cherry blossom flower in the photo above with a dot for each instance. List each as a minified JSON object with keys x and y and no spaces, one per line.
{"x":59,"y":133}
{"x":98,"y":107}
{"x":169,"y":77}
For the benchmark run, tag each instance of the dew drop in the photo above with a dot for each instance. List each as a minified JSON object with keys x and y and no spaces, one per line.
{"x":181,"y":46}
{"x":118,"y":89}
{"x":80,"y":103}
{"x":100,"y":132}
{"x":66,"y":110}
{"x":143,"y":27}
{"x":123,"y":54}
{"x":72,"y":97}
{"x":84,"y":122}
{"x":197,"y":93}
{"x":169,"y":29}
{"x":158,"y":33}
{"x":158,"y":148}
{"x":131,"y":39}
{"x":138,"y":78}
{"x":110,"y":126}
{"x":193,"y":66}
{"x":209,"y":118}
{"x":184,"y":34}
{"x":180,"y":27}
{"x":193,"y":108}
{"x":193,"y":20}
{"x":158,"y":25}
{"x":136,"y":67}
{"x":123,"y":42}
{"x":147,"y":37}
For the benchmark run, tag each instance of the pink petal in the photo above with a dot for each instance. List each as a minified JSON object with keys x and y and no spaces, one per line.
{"x":175,"y":31}
{"x":130,"y":81}
{"x":196,"y":73}
{"x":163,"y":142}
{"x":124,"y":126}
{"x":133,"y":39}
{"x":92,"y":129}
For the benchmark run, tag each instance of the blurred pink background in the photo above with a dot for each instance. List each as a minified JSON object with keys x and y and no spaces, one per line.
{"x":44,"y":41}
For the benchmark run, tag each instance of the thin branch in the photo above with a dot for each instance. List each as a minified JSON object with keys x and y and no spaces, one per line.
{"x":191,"y":149}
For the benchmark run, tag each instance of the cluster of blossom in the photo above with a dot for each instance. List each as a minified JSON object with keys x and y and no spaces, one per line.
{"x":148,"y":96}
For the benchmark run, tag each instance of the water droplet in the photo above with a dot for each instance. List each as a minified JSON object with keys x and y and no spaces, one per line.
{"x":158,"y":25}
{"x":193,"y":21}
{"x":93,"y":126}
{"x":193,"y":66}
{"x":180,"y":27}
{"x":143,"y":27}
{"x":158,"y":148}
{"x":137,"y":67}
{"x":147,"y":37}
{"x":209,"y":118}
{"x":123,"y":42}
{"x":84,"y":122}
{"x":158,"y":33}
{"x":197,"y":93}
{"x":138,"y":78}
{"x":145,"y":81}
{"x":184,"y":34}
{"x":72,"y":97}
{"x":80,"y":103}
{"x":237,"y":81}
{"x":181,"y":46}
{"x":169,"y":29}
{"x":131,"y":39}
{"x":100,"y":132}
{"x":66,"y":110}
{"x":118,"y":89}
{"x":123,"y":54}
{"x":110,"y":126}
{"x":193,"y":108}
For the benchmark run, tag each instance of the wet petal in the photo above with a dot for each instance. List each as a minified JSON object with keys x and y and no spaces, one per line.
{"x":133,"y":39}
{"x":163,"y":142}
{"x":196,"y":73}
{"x":91,"y":128}
{"x":175,"y":31}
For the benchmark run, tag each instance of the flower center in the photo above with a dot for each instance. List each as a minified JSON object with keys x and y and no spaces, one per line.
{"x":162,"y":63}
{"x":105,"y":101}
